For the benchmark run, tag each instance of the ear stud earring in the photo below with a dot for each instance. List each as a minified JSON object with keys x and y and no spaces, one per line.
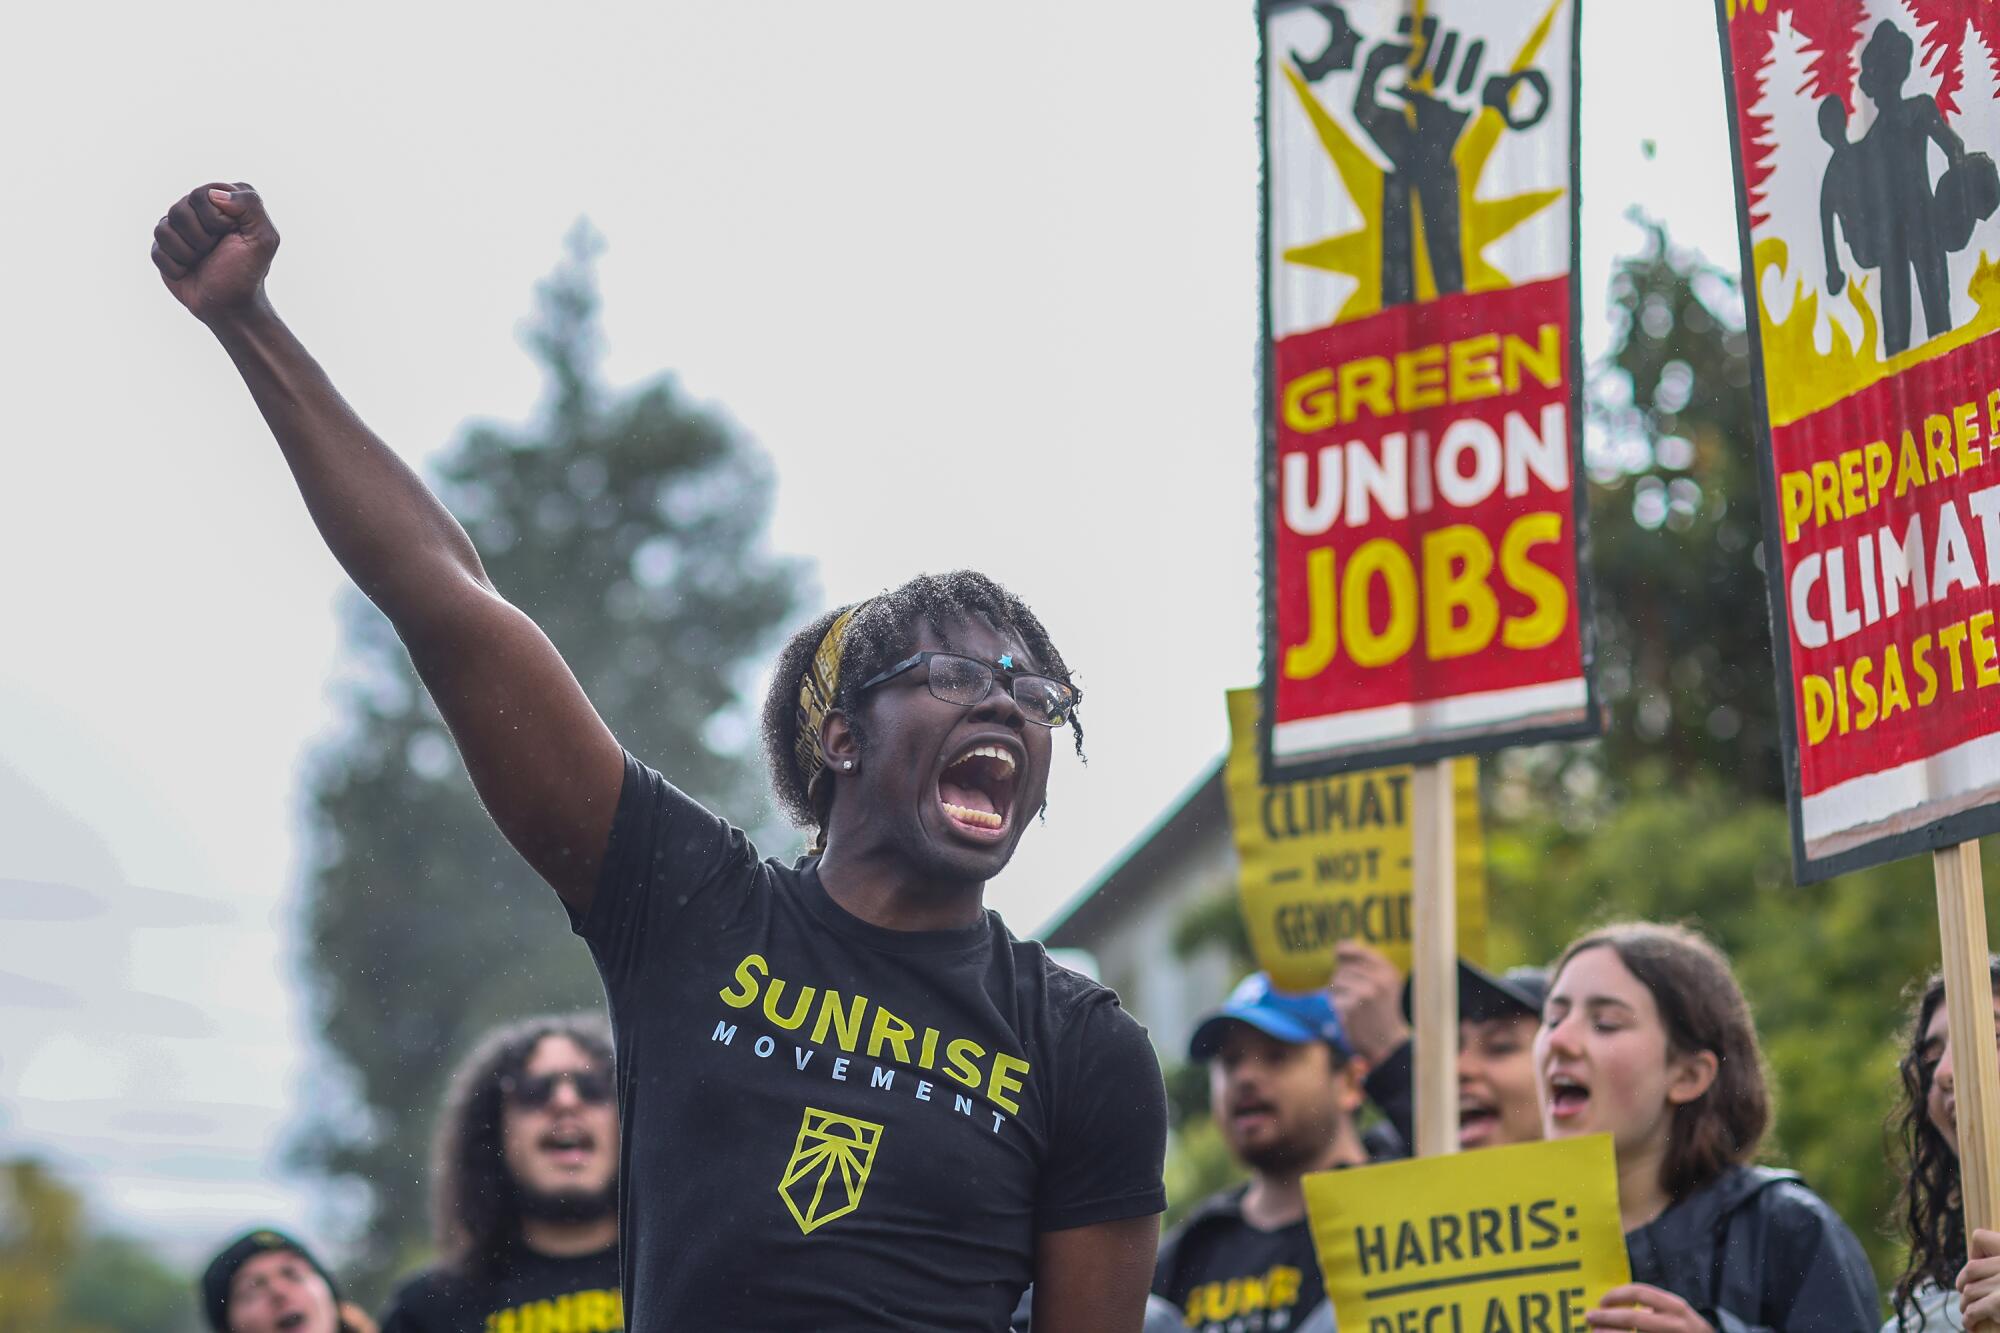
{"x":847,"y":763}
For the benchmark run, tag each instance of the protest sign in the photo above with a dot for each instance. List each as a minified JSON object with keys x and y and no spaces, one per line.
{"x":1869,"y":208}
{"x":1506,"y":1240}
{"x":1870,"y":212}
{"x":1421,"y":506}
{"x":1327,"y":859}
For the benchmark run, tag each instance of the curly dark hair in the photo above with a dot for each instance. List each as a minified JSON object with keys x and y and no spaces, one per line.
{"x":1927,"y":1199}
{"x":1703,"y":1009}
{"x":877,"y":637}
{"x":475,"y":1205}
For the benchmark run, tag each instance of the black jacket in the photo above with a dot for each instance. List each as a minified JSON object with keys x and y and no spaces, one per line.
{"x":1754,"y":1249}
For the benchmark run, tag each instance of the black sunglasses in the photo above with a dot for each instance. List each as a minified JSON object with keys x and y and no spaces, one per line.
{"x":535,"y":1091}
{"x":961,"y":680}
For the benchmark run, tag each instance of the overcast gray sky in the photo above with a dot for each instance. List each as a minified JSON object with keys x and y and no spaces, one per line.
{"x":981,"y":279}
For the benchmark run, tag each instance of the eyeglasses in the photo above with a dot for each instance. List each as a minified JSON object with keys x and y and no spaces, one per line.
{"x":955,"y":679}
{"x":535,"y":1091}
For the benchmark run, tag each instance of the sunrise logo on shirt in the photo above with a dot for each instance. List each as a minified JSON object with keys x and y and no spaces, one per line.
{"x":829,"y":1168}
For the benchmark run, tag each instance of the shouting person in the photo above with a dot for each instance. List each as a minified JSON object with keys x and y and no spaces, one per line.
{"x":1497,"y":1020}
{"x":266,"y":1282}
{"x":850,"y":1097}
{"x":1647,"y":1037}
{"x":1283,"y":1087}
{"x":524,"y":1189}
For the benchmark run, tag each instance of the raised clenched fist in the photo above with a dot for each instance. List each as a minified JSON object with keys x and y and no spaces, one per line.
{"x":214,"y":247}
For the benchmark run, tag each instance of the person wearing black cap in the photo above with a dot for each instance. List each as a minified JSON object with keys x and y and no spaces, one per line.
{"x":1497,"y":1019}
{"x":1283,"y":1086}
{"x":264,"y":1281}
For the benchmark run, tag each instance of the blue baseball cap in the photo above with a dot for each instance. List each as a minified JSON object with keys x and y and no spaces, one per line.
{"x":1297,"y":1019}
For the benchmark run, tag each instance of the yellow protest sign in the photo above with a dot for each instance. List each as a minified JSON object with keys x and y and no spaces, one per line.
{"x":1328,"y":859}
{"x":1503,"y":1240}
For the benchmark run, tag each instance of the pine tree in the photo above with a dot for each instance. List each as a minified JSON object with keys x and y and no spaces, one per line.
{"x":630,"y":527}
{"x":1794,"y":156}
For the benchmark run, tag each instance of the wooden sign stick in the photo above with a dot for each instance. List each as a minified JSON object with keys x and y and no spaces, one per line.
{"x":1434,"y":958}
{"x":1968,"y":997}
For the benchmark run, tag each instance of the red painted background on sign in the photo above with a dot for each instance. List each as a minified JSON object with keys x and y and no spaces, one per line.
{"x":1537,"y":317}
{"x":1928,"y":394}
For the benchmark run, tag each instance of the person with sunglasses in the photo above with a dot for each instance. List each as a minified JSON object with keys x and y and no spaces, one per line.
{"x":524,"y":1188}
{"x":851,"y":1098}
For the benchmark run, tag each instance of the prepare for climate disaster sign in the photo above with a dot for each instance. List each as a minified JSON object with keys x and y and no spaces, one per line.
{"x":1505,"y":1240}
{"x":1327,"y":859}
{"x":1421,"y":491}
{"x":1865,"y":135}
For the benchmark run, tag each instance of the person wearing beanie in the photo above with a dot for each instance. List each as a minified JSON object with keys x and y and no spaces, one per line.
{"x":1283,"y":1086}
{"x":1498,"y":1015}
{"x":264,"y":1281}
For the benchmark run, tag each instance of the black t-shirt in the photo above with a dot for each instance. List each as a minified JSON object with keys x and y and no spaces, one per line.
{"x":829,"y":1125}
{"x":1227,"y":1276}
{"x":530,"y":1294}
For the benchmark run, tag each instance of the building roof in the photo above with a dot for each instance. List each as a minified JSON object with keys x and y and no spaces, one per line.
{"x":1200,"y":813}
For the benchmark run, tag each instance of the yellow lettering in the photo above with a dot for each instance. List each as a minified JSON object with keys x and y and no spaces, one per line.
{"x":1460,"y":610}
{"x":1305,"y":660}
{"x":1965,"y":430}
{"x":1550,"y":615}
{"x":1895,"y":693}
{"x":1851,"y":482}
{"x":797,"y":1018}
{"x":1796,"y":488}
{"x":1420,"y":378}
{"x":1364,"y":381}
{"x":1826,"y":492}
{"x":1309,"y":402}
{"x":1937,"y":447}
{"x":1002,"y":1081}
{"x":1864,"y":690}
{"x":1879,"y":462}
{"x":1949,"y":638}
{"x":843,"y":1020}
{"x":1920,"y":658}
{"x":1475,"y":368}
{"x":892,"y":1031}
{"x":1818,"y":697}
{"x":1367,"y":646}
{"x":1909,"y":467}
{"x":747,"y":972}
{"x":1985,"y":668}
{"x":1543,"y":361}
{"x":960,"y":1057}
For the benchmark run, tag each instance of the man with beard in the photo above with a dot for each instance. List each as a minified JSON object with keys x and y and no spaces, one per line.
{"x":1283,"y":1087}
{"x":850,"y":1098}
{"x":524,"y":1189}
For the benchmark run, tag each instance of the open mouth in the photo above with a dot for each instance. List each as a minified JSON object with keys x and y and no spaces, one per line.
{"x":568,"y":1145}
{"x":1245,"y":1114}
{"x":294,"y":1319}
{"x":1478,"y":1119}
{"x":1567,"y":1097}
{"x":976,"y":790}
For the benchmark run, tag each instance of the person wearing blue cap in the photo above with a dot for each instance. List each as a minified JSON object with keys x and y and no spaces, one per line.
{"x":1284,"y":1085}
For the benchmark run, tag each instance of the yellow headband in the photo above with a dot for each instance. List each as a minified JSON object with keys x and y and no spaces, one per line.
{"x":816,"y":695}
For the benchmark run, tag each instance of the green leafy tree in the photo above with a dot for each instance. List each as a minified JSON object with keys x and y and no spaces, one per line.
{"x":1683,"y":628}
{"x":58,"y":1276}
{"x":631,"y":528}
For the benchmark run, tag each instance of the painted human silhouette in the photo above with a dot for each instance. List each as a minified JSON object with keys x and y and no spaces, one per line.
{"x":1418,"y":138}
{"x":1879,"y":189}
